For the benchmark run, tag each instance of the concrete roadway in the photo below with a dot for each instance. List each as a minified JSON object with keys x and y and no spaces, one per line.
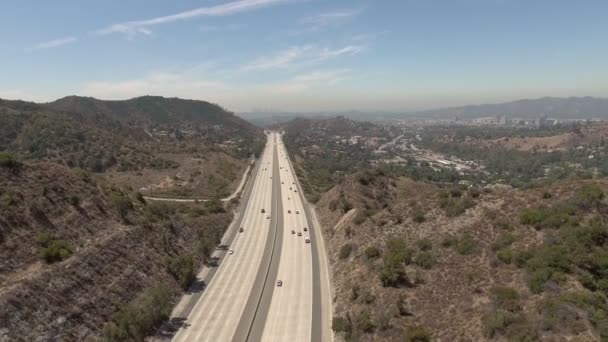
{"x":290,"y":314}
{"x":218,"y":311}
{"x":243,"y":301}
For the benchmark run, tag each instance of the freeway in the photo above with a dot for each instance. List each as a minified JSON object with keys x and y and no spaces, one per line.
{"x":243,"y":301}
{"x":218,"y":311}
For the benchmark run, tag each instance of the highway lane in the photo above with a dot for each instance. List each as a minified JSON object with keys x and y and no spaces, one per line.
{"x":242,"y":301}
{"x":290,"y":314}
{"x":217,"y":313}
{"x":322,"y":311}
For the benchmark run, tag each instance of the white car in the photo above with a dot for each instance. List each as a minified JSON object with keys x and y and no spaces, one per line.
{"x":231,"y":251}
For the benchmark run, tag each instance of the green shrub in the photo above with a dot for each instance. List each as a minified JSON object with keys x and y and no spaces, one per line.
{"x":360,"y":217}
{"x":345,"y":251}
{"x":448,"y":241}
{"x":505,"y":255}
{"x":424,"y":244}
{"x":416,"y":334}
{"x":181,"y":267}
{"x":506,"y":298}
{"x":588,"y":197}
{"x":55,"y":250}
{"x":215,"y":206}
{"x":549,"y":217}
{"x":425,"y":260}
{"x":504,"y":239}
{"x":363,"y":322}
{"x":140,"y":317}
{"x":341,"y":324}
{"x":393,"y":276}
{"x":121,"y":202}
{"x":466,"y":245}
{"x":419,"y":216}
{"x":372,"y":252}
{"x":8,"y":160}
{"x":497,"y":323}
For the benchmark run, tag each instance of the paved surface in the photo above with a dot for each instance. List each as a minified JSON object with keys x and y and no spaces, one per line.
{"x":218,"y":311}
{"x":289,"y":317}
{"x":242,"y":301}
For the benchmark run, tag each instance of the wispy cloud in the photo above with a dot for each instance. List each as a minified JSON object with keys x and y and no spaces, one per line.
{"x":132,"y":28}
{"x":300,"y":55}
{"x":54,"y":43}
{"x":322,"y":20}
{"x":155,"y":83}
{"x":303,"y":82}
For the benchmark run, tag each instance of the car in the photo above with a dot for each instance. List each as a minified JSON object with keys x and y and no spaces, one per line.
{"x":305,"y":229}
{"x":282,"y":182}
{"x":279,"y":283}
{"x":241,"y":230}
{"x":295,"y":191}
{"x":293,"y":182}
{"x":289,"y":211}
{"x":288,"y":198}
{"x":307,"y":240}
{"x":290,"y":188}
{"x":231,"y":251}
{"x":268,"y":217}
{"x":297,"y":211}
{"x":293,"y":232}
{"x":299,"y":233}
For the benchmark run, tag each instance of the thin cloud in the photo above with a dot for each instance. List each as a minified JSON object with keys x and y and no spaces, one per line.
{"x":300,"y":55}
{"x":156,"y":83}
{"x":132,"y":28}
{"x":330,"y":18}
{"x":54,"y":43}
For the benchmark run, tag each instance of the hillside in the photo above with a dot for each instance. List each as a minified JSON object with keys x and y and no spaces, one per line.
{"x":415,"y":260}
{"x":82,"y":258}
{"x":156,"y":111}
{"x":326,"y":149}
{"x":553,"y":107}
{"x":162,"y":146}
{"x":123,"y":135}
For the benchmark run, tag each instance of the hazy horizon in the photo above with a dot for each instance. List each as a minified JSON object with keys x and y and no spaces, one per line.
{"x":306,"y":56}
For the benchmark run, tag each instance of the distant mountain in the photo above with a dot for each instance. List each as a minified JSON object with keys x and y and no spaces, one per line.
{"x":553,"y":107}
{"x":154,"y":111}
{"x":99,"y":135}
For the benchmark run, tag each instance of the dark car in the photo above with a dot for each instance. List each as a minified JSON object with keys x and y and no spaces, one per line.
{"x":242,"y":230}
{"x":293,"y":232}
{"x":305,"y":229}
{"x":279,"y":283}
{"x":299,"y":233}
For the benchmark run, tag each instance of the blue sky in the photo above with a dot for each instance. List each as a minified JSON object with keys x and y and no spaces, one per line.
{"x":305,"y":55}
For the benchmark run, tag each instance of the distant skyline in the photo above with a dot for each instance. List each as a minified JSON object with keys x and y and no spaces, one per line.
{"x":305,"y":55}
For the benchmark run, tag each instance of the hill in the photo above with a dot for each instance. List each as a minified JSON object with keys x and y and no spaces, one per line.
{"x":417,"y":261}
{"x":81,"y":258}
{"x":553,"y":107}
{"x":163,"y":146}
{"x":104,"y":135}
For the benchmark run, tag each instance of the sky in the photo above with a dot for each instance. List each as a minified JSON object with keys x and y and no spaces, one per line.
{"x":305,"y":55}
